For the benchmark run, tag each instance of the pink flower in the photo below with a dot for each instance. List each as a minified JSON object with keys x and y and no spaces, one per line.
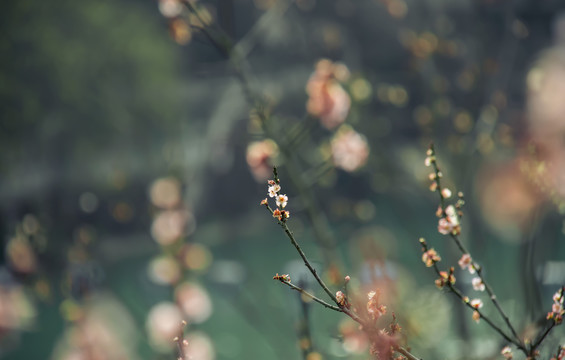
{"x":446,"y":193}
{"x":194,"y":301}
{"x":350,"y":150}
{"x":326,"y":98}
{"x":467,"y":263}
{"x":476,"y":316}
{"x":450,"y":223}
{"x":557,"y":311}
{"x":259,"y":155}
{"x":445,"y":278}
{"x":374,"y":309}
{"x":430,"y":257}
{"x":165,"y":193}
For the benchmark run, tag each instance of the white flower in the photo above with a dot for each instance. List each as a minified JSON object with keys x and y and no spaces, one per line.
{"x":282,"y":200}
{"x":340,"y":297}
{"x":478,"y":284}
{"x":450,"y":223}
{"x":452,"y":215}
{"x":477,"y":303}
{"x":446,"y":193}
{"x":507,"y":352}
{"x":273,"y":190}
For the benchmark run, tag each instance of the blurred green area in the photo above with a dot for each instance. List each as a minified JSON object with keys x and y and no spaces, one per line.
{"x":129,"y":200}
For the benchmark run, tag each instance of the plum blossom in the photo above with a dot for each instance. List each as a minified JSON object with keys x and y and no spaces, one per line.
{"x":557,"y":310}
{"x":446,"y":193}
{"x":450,"y":223}
{"x":194,"y":301}
{"x":375,"y":309}
{"x":259,"y":155}
{"x":476,"y":316}
{"x":274,"y":189}
{"x":340,"y":297}
{"x":466,"y":262}
{"x":282,"y":200}
{"x":430,"y":257}
{"x":327,"y":100}
{"x":478,"y":284}
{"x":349,"y":149}
{"x":507,"y":353}
{"x":445,"y":278}
{"x":476,"y":303}
{"x":281,"y":214}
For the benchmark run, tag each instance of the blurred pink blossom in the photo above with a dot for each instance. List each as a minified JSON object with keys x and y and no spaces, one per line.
{"x":194,"y":301}
{"x":327,"y":99}
{"x":350,"y":150}
{"x":168,"y":226}
{"x":259,"y":156}
{"x":163,"y":325}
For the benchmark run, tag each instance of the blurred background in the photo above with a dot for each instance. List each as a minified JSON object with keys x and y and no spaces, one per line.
{"x":133,"y":167}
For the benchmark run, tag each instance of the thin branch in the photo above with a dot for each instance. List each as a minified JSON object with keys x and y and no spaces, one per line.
{"x":543,"y":335}
{"x":461,"y":247}
{"x":313,"y":297}
{"x":463,"y":298}
{"x":289,"y":234}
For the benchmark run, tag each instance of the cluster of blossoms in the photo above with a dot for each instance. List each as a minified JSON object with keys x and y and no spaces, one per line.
{"x":449,"y":223}
{"x":557,"y":310}
{"x":375,"y":309}
{"x":342,"y":300}
{"x":445,"y":278}
{"x":476,"y":304}
{"x":466,"y":262}
{"x":430,"y":257}
{"x":281,"y":200}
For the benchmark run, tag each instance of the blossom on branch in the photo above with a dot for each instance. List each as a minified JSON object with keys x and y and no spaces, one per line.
{"x":375,"y":309}
{"x":341,"y":298}
{"x":478,"y":284}
{"x":445,"y":278}
{"x":281,"y":200}
{"x":450,"y":223}
{"x":507,"y":353}
{"x":476,"y":303}
{"x":557,"y":310}
{"x":430,"y":257}
{"x":466,"y":262}
{"x":273,"y":190}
